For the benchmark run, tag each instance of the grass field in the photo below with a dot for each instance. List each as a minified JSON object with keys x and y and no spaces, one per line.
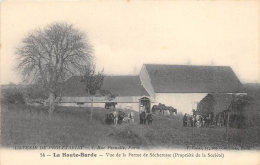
{"x":70,"y":126}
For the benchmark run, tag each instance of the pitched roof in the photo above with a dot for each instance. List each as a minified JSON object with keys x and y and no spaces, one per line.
{"x":120,"y":85}
{"x":193,"y":79}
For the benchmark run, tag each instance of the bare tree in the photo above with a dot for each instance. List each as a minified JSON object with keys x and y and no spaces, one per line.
{"x":51,"y":55}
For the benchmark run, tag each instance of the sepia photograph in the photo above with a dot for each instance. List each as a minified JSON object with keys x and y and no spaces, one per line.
{"x":130,"y":82}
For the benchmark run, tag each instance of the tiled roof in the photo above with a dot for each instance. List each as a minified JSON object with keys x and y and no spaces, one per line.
{"x":193,"y":79}
{"x":120,"y":85}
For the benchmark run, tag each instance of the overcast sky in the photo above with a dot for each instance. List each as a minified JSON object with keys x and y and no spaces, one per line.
{"x":126,"y":35}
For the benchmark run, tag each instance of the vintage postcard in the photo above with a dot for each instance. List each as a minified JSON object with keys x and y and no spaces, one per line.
{"x":130,"y":82}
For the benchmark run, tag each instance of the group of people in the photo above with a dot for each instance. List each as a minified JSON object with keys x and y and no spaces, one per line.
{"x":144,"y":116}
{"x":188,"y":120}
{"x":191,"y":121}
{"x":198,"y":120}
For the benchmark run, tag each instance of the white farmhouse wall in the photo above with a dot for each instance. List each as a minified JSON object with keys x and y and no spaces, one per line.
{"x":134,"y":106}
{"x":146,"y":81}
{"x":122,"y":102}
{"x":183,"y":102}
{"x":82,"y":105}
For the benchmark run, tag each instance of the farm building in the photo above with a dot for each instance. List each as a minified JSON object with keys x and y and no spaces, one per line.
{"x":179,"y":86}
{"x":130,"y":93}
{"x":184,"y":86}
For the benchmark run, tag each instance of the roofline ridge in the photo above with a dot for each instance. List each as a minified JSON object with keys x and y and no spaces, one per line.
{"x":187,"y":65}
{"x":121,"y":75}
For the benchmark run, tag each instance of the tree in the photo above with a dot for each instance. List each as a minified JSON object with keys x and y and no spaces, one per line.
{"x":93,"y":82}
{"x":238,"y":109}
{"x":52,"y":55}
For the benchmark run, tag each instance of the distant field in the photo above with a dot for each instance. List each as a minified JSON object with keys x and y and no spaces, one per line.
{"x":25,"y":125}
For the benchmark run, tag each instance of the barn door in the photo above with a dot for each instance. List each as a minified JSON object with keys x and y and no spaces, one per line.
{"x":144,"y":103}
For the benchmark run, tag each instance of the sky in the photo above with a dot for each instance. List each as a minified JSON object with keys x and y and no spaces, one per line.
{"x":127,"y":34}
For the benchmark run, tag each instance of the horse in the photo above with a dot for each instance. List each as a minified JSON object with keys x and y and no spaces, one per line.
{"x":142,"y":117}
{"x":171,"y":109}
{"x":159,"y":107}
{"x":149,"y":118}
{"x":110,"y":104}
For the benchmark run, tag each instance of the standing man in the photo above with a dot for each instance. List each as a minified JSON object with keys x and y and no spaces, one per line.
{"x":185,"y":120}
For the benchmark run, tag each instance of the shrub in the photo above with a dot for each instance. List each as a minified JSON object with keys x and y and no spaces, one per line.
{"x":13,"y":96}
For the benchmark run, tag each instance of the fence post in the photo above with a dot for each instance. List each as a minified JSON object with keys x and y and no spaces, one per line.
{"x":192,"y":126}
{"x":227,"y":126}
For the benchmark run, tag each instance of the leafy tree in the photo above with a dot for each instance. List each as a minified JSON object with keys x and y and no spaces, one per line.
{"x":238,"y":108}
{"x":51,"y":55}
{"x":93,"y":82}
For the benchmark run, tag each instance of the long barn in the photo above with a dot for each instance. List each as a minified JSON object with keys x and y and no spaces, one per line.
{"x":129,"y":90}
{"x":180,"y":86}
{"x":184,"y":86}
